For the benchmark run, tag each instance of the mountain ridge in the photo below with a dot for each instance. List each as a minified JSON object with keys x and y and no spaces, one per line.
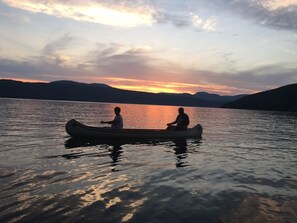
{"x":216,"y":97}
{"x":279,"y":99}
{"x":75,"y":91}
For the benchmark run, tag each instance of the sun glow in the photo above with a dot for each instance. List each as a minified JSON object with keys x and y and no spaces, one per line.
{"x":164,"y":87}
{"x":143,"y":88}
{"x":155,"y":86}
{"x":147,"y":85}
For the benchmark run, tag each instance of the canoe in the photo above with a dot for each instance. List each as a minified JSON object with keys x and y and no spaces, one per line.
{"x":77,"y":129}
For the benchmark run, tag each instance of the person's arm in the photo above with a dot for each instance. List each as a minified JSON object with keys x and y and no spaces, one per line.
{"x":172,"y":123}
{"x":104,"y":122}
{"x":108,"y":122}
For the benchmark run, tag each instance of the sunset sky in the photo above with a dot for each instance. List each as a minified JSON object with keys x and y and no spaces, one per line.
{"x":226,"y":47}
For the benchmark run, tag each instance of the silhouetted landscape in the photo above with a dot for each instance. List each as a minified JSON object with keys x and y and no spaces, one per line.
{"x":74,"y":91}
{"x":279,"y":99}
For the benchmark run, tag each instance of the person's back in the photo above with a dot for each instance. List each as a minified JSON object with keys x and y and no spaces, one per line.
{"x":117,"y":122}
{"x":183,"y":121}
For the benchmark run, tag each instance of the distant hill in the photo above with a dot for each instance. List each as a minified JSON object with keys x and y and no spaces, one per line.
{"x":279,"y":99}
{"x":74,"y":91}
{"x":218,"y":98}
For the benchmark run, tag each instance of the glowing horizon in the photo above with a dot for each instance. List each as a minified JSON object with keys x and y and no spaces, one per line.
{"x":24,"y":80}
{"x":153,"y":87}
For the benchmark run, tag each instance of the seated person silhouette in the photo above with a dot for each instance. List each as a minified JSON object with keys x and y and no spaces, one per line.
{"x":182,"y":121}
{"x":117,"y":122}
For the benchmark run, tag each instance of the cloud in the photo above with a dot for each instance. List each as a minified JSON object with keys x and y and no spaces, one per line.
{"x":138,"y":68}
{"x":274,"y":4}
{"x":281,"y":15}
{"x":179,"y":21}
{"x":208,"y":25}
{"x":247,"y":81}
{"x":157,"y":77}
{"x":49,"y":64}
{"x":37,"y":69}
{"x":121,"y":61}
{"x":53,"y":52}
{"x":111,"y":60}
{"x":56,"y":45}
{"x":120,"y":13}
{"x":282,"y":18}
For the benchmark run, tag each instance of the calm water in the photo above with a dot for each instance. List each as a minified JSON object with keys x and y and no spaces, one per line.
{"x":243,"y":169}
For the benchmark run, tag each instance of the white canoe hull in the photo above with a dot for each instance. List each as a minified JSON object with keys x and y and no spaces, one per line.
{"x":77,"y":129}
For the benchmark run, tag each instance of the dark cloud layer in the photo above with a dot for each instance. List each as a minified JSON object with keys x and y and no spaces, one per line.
{"x":119,"y":61}
{"x":257,"y":79}
{"x":115,"y":61}
{"x":284,"y":18}
{"x":48,"y":65}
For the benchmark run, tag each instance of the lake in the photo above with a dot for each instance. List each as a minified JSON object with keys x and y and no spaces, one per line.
{"x":242,"y":170}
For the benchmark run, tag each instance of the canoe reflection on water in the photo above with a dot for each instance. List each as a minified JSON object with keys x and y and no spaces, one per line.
{"x":74,"y":142}
{"x":114,"y":146}
{"x":181,"y":152}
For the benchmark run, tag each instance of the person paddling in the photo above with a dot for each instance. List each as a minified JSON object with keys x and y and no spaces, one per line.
{"x":182,"y":121}
{"x":117,"y":122}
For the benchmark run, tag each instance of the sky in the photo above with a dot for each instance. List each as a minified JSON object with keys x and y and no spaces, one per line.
{"x":226,"y":47}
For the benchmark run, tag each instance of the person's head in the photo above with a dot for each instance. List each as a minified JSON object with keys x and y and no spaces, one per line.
{"x":181,"y":110}
{"x":117,"y":110}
